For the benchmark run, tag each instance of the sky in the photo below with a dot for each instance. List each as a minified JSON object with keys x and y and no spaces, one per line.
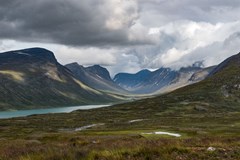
{"x":124,"y":35}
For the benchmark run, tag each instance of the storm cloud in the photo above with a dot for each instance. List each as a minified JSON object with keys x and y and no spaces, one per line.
{"x":125,"y":35}
{"x":72,"y":22}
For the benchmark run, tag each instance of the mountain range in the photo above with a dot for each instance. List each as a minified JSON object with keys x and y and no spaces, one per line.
{"x":33,"y":78}
{"x":161,"y":80}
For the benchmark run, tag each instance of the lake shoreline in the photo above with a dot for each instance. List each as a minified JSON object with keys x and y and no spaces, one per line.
{"x":24,"y":113}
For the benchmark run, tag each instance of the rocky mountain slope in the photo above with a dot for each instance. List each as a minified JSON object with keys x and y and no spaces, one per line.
{"x":32,"y":78}
{"x":219,"y":91}
{"x":95,"y":76}
{"x":202,"y":74}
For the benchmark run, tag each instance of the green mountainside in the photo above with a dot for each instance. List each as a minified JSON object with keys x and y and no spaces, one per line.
{"x":221,"y":89}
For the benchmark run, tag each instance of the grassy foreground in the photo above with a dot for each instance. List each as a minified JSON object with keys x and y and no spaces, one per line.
{"x":117,"y":136}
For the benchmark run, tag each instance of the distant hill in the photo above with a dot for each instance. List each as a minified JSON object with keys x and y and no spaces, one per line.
{"x":160,"y":81}
{"x":95,"y":76}
{"x":32,"y":78}
{"x":132,"y":81}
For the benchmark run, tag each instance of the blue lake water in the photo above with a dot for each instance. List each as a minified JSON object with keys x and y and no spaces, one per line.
{"x":23,"y":113}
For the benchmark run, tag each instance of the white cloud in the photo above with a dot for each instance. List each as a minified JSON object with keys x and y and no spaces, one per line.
{"x":178,"y":41}
{"x":85,"y":56}
{"x":125,"y":63}
{"x":122,"y":13}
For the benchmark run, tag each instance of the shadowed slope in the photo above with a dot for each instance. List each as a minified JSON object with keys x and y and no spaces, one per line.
{"x":32,"y":78}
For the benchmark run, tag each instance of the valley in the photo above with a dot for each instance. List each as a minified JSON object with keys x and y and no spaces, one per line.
{"x":119,"y":80}
{"x":198,"y":121}
{"x":33,"y":78}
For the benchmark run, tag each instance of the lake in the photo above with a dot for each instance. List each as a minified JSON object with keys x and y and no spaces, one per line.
{"x":23,"y":113}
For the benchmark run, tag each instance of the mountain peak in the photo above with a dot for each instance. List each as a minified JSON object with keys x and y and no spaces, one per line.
{"x":95,"y":76}
{"x":39,"y":52}
{"x":74,"y":64}
{"x":27,"y":54}
{"x":100,"y":71}
{"x":97,"y":66}
{"x":144,"y":71}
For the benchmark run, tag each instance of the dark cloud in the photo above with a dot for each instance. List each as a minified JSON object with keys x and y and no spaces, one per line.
{"x":170,"y":33}
{"x":72,"y":22}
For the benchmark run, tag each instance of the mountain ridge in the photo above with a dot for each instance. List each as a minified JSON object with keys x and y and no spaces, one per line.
{"x":32,"y":78}
{"x":96,"y":77}
{"x":160,"y":80}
